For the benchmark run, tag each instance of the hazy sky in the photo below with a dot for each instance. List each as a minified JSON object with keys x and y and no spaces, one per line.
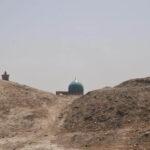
{"x":46,"y":43}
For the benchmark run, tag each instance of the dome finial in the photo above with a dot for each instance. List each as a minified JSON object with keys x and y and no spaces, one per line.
{"x":76,"y":80}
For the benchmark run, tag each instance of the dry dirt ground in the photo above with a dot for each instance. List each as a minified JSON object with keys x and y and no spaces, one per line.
{"x":115,"y":118}
{"x":28,"y":116}
{"x":111,"y":118}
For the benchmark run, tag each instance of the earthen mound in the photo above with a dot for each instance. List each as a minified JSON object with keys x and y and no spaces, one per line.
{"x":113,"y":113}
{"x":22,"y":109}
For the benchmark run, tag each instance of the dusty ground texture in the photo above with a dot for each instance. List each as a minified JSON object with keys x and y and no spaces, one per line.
{"x":108,"y":119}
{"x":111,"y":118}
{"x":28,"y":116}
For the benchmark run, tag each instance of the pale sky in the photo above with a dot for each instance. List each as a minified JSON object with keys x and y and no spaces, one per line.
{"x":46,"y":43}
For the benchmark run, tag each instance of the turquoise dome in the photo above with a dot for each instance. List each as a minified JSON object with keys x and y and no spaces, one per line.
{"x":76,"y":88}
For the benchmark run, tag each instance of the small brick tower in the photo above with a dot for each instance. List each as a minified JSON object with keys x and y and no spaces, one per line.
{"x":5,"y":76}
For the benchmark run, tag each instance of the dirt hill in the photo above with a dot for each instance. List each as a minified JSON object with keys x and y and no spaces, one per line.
{"x":111,"y":118}
{"x":115,"y":118}
{"x":22,"y":109}
{"x":27,"y":117}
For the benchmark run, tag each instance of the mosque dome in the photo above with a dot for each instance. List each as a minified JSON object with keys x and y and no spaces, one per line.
{"x":76,"y":88}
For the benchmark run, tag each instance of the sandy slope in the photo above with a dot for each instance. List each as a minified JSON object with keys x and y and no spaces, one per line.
{"x":27,"y":117}
{"x":111,"y":118}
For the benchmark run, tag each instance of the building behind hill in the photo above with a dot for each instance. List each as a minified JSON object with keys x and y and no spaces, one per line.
{"x":5,"y":76}
{"x":74,"y":88}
